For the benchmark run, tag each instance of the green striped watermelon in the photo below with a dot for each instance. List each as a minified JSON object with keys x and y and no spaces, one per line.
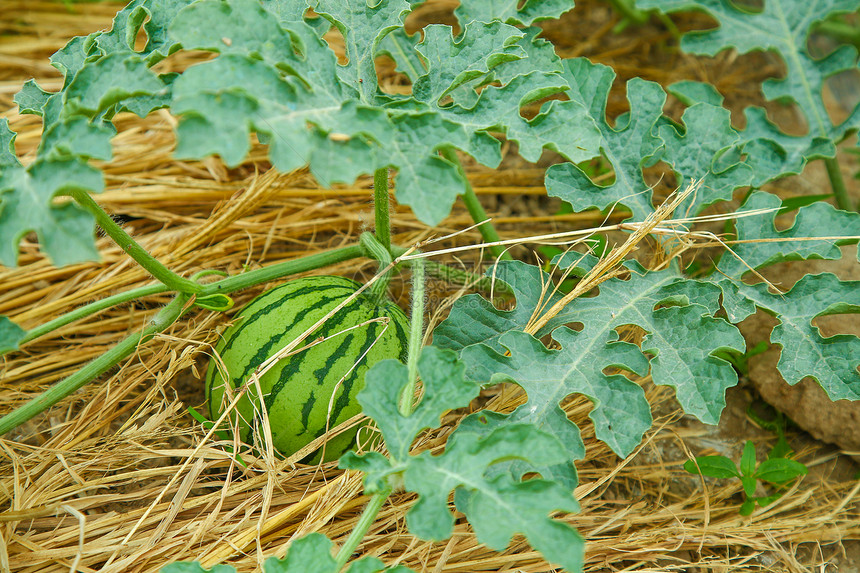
{"x":298,"y":389}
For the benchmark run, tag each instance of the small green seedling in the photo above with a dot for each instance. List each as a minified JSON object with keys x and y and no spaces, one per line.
{"x":775,"y":470}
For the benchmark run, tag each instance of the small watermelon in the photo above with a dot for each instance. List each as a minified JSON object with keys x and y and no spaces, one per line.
{"x":298,"y":389}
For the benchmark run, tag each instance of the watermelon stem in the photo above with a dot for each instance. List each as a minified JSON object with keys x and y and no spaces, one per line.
{"x":416,"y":336}
{"x":92,"y":308}
{"x":165,"y":317}
{"x":476,"y":210}
{"x":380,"y":207}
{"x":208,"y":292}
{"x":152,"y":265}
{"x":367,"y":518}
{"x":837,"y":183}
{"x":375,"y":250}
{"x":280,"y":270}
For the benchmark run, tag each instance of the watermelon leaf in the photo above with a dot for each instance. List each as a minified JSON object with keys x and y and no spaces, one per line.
{"x":707,"y":138}
{"x":629,"y":145}
{"x":704,"y":147}
{"x":480,"y":48}
{"x":445,"y":388}
{"x":109,"y":80}
{"x":771,"y":153}
{"x":309,"y":108}
{"x":500,"y":506}
{"x":683,"y":337}
{"x":308,"y":554}
{"x":691,"y":92}
{"x":66,"y":232}
{"x":496,"y":504}
{"x":153,"y":16}
{"x":782,"y":26}
{"x":8,"y":158}
{"x":621,"y":413}
{"x":540,"y":54}
{"x":831,"y":361}
{"x":400,"y":47}
{"x":31,"y":99}
{"x":363,"y":26}
{"x":299,"y":112}
{"x":510,"y":11}
{"x":10,"y":335}
{"x":816,"y":220}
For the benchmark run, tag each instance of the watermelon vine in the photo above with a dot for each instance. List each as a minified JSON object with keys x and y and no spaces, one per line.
{"x":273,"y":75}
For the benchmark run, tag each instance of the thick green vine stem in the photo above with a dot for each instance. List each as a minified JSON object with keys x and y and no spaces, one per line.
{"x":280,"y":270}
{"x":210,"y":293}
{"x":416,"y":336}
{"x":380,"y":207}
{"x":152,"y":265}
{"x":838,"y":184}
{"x":368,"y":516}
{"x":165,"y":317}
{"x":476,"y":210}
{"x":376,"y":250}
{"x":92,"y":308}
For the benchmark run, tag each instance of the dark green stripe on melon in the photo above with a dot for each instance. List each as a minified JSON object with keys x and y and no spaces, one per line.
{"x":298,"y":389}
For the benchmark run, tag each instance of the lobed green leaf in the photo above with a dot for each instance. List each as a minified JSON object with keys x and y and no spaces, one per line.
{"x":705,"y":149}
{"x":761,"y":244}
{"x":450,"y":63}
{"x":511,"y":11}
{"x":10,"y":335}
{"x":468,"y":464}
{"x":629,"y":145}
{"x":832,"y":361}
{"x":682,"y":336}
{"x":153,"y":16}
{"x":496,"y":507}
{"x":108,"y":80}
{"x":363,"y":26}
{"x":621,"y":414}
{"x":66,"y":232}
{"x":32,"y":99}
{"x":445,"y":388}
{"x":308,"y":554}
{"x":782,"y":26}
{"x":8,"y":158}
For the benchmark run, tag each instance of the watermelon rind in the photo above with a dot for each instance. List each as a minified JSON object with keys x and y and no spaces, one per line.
{"x":297,"y":391}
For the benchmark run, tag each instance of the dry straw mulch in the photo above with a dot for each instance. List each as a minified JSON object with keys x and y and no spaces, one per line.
{"x":118,"y":477}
